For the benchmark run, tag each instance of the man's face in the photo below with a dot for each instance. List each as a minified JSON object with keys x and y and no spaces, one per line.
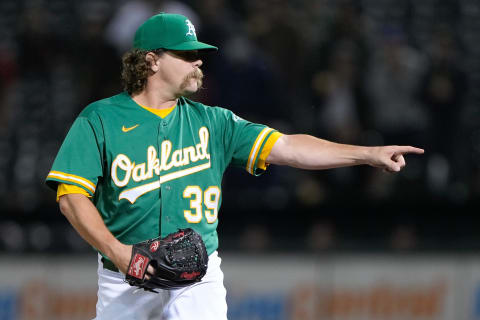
{"x":181,"y":71}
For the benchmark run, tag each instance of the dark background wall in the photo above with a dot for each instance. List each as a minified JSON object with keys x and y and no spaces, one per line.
{"x":365,"y":72}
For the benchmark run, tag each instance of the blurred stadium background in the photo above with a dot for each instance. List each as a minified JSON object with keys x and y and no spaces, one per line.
{"x":360,"y":243}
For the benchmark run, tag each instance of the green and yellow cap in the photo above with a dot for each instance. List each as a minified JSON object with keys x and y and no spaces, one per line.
{"x":168,"y":31}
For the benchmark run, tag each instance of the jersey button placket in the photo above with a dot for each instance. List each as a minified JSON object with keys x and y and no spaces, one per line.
{"x":162,"y":136}
{"x":163,"y":128}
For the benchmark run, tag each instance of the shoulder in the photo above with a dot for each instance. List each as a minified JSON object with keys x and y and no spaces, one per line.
{"x":200,"y":108}
{"x":105,"y":106}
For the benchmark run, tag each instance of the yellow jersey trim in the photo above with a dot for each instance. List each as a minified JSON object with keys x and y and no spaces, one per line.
{"x":64,"y":189}
{"x":72,"y":178}
{"x":267,"y":148}
{"x":162,"y":113}
{"x":256,"y":147}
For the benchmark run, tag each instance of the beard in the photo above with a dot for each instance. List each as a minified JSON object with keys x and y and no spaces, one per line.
{"x":196,"y":75}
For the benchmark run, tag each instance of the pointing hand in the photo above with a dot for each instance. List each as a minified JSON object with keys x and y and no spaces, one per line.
{"x":390,"y":158}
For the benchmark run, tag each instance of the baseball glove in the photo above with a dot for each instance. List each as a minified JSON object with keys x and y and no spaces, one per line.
{"x":179,"y":259}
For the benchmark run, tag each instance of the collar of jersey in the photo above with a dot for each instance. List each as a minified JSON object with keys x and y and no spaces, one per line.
{"x":162,"y":113}
{"x":169,"y":117}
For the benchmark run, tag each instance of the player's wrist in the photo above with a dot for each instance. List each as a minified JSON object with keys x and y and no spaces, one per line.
{"x":368,"y":155}
{"x":120,"y":254}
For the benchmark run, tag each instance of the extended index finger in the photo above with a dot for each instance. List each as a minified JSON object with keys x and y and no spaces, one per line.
{"x":409,"y":149}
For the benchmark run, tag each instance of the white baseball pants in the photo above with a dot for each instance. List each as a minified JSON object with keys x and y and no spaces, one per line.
{"x":205,"y":300}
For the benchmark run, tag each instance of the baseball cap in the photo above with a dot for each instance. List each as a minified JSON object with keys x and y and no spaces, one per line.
{"x":168,"y":31}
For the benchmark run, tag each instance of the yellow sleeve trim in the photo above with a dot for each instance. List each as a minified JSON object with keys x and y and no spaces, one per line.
{"x":64,"y":188}
{"x":266,"y":150}
{"x":162,"y":113}
{"x":256,"y":147}
{"x":72,"y":178}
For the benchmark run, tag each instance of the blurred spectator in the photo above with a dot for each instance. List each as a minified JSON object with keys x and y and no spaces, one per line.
{"x":272,"y":25}
{"x":337,"y":70}
{"x":392,"y":83}
{"x":379,"y":186}
{"x":35,"y":37}
{"x":403,"y":237}
{"x":321,"y":236}
{"x":8,"y":78}
{"x":127,"y":18}
{"x":395,"y":115}
{"x":255,"y":238}
{"x":99,"y":70}
{"x":339,"y":94}
{"x":180,"y":7}
{"x":220,"y":26}
{"x":310,"y":192}
{"x":219,"y":22}
{"x":246,"y":81}
{"x":40,"y":52}
{"x":8,"y":83}
{"x":443,"y":91}
{"x":132,"y":13}
{"x":336,"y":74}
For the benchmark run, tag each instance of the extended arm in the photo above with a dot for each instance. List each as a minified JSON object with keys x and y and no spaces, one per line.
{"x":85,"y":218}
{"x":307,"y":152}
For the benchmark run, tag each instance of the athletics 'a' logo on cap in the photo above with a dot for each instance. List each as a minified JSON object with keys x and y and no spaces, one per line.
{"x":191,"y":29}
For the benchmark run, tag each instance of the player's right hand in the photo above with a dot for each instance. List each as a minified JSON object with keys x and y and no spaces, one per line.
{"x":122,"y":261}
{"x":121,"y":257}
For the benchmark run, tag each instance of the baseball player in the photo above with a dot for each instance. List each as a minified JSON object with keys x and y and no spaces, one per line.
{"x":148,"y":161}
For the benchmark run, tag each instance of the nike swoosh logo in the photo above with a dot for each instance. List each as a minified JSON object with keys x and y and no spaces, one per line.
{"x":129,"y":129}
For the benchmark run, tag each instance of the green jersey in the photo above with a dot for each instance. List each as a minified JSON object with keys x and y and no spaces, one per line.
{"x":150,"y":176}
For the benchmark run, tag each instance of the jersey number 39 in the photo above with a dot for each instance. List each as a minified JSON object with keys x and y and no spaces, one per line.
{"x":199,"y":198}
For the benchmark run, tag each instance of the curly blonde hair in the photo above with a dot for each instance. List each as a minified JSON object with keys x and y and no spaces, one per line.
{"x":136,"y":69}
